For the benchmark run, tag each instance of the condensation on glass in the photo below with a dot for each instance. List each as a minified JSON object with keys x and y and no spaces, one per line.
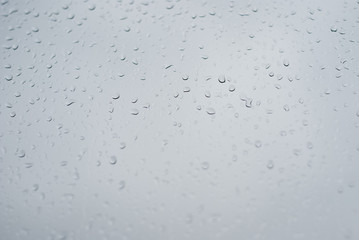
{"x":179,"y":119}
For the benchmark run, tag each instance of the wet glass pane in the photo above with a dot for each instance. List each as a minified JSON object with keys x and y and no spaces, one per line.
{"x":179,"y":119}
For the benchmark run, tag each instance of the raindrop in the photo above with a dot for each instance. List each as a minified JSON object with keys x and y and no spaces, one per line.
{"x":185,"y":77}
{"x":134,"y":111}
{"x":70,"y":102}
{"x":122,"y":185}
{"x":8,"y":77}
{"x":28,"y":165}
{"x":221,"y":79}
{"x":270,"y":164}
{"x":113,"y":160}
{"x":285,"y":62}
{"x":35,"y":187}
{"x":333,"y":29}
{"x":122,"y":145}
{"x":258,"y":143}
{"x":248,"y":102}
{"x":116,"y":96}
{"x":211,"y":111}
{"x":205,"y":165}
{"x":186,"y":89}
{"x":21,"y":153}
{"x":207,"y":94}
{"x":134,"y":100}
{"x":92,"y":7}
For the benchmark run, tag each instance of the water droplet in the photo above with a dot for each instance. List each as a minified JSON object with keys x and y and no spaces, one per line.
{"x":248,"y":102}
{"x":122,"y":185}
{"x":21,"y":153}
{"x":211,"y":111}
{"x":92,"y":7}
{"x":205,"y":165}
{"x":134,"y":111}
{"x":186,"y":89}
{"x":185,"y":77}
{"x":28,"y":165}
{"x":231,"y":88}
{"x":258,"y":143}
{"x":221,"y":79}
{"x":122,"y":145}
{"x":8,"y":77}
{"x":285,"y":62}
{"x":113,"y":160}
{"x":116,"y":96}
{"x":70,"y":102}
{"x":134,"y":100}
{"x":270,"y":164}
{"x":35,"y":187}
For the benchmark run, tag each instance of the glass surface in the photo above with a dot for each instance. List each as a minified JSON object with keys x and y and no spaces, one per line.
{"x":126,"y":119}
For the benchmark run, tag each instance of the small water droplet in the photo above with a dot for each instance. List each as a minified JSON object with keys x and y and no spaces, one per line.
{"x":122,"y":145}
{"x":92,"y":7}
{"x":186,"y":89}
{"x":21,"y":153}
{"x":35,"y":187}
{"x":134,"y":100}
{"x":211,"y":111}
{"x":116,"y":96}
{"x":249,"y":102}
{"x":28,"y":165}
{"x":222,"y":79}
{"x":270,"y":164}
{"x":134,"y":111}
{"x":122,"y":185}
{"x":113,"y":160}
{"x":70,"y":102}
{"x":207,"y":94}
{"x":258,"y":143}
{"x":285,"y":62}
{"x":205,"y":165}
{"x":8,"y":77}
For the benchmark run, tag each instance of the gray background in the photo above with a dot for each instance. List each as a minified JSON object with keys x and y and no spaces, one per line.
{"x":115,"y":122}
